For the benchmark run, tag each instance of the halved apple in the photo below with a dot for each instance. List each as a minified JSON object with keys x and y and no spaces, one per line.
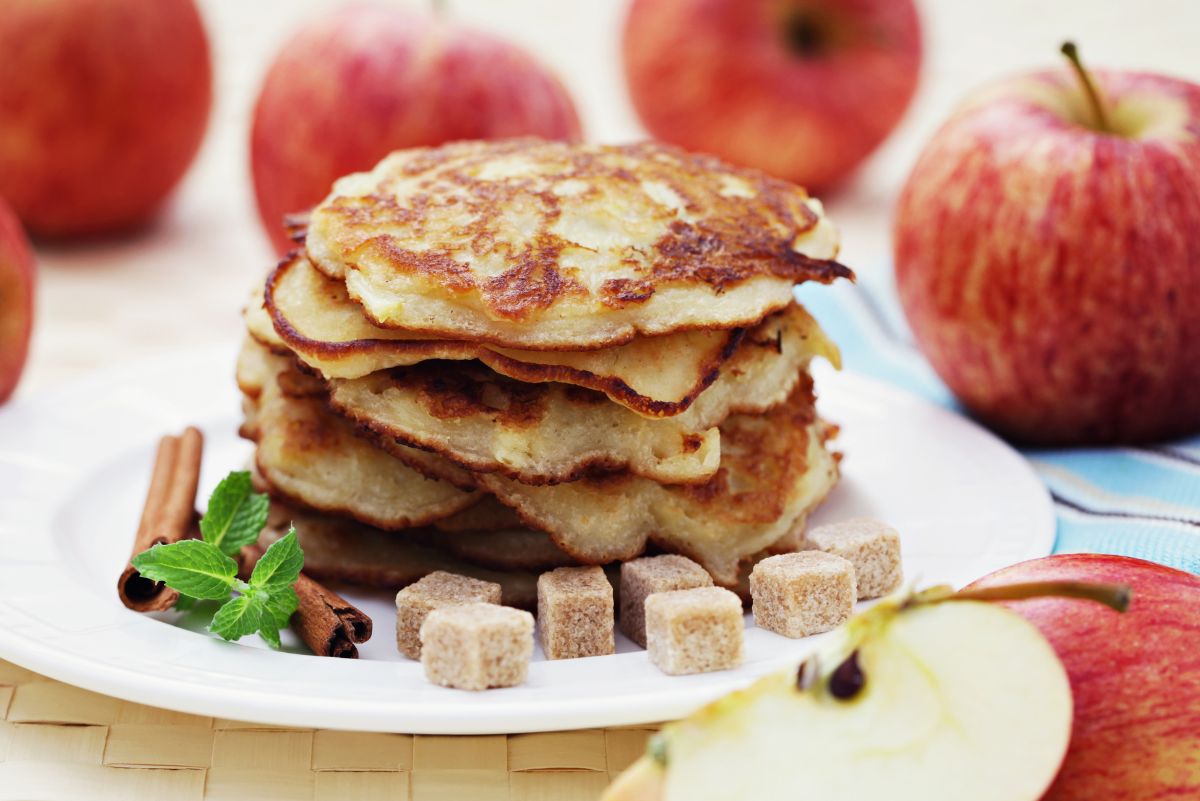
{"x":926,"y":697}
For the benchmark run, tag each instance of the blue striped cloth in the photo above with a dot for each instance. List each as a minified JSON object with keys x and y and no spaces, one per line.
{"x":1142,"y":502}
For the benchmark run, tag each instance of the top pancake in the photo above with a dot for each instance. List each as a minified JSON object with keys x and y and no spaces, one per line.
{"x":550,"y":246}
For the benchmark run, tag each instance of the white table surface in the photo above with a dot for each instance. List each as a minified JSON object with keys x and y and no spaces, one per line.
{"x":183,"y":281}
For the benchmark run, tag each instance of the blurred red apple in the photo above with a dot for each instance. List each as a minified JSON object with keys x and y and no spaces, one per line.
{"x":363,"y":80}
{"x":1135,"y":677}
{"x":103,"y":104}
{"x":803,"y":89}
{"x":1049,"y":262}
{"x":17,"y":280}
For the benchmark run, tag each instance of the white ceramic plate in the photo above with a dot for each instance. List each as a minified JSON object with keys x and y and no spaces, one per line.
{"x":73,"y":471}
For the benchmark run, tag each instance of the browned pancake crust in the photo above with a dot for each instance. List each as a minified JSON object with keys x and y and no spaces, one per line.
{"x":521,"y":370}
{"x":434,"y":215}
{"x":308,"y":428}
{"x":765,"y":459}
{"x":734,"y":240}
{"x":340,"y":550}
{"x":456,"y":390}
{"x":297,"y":341}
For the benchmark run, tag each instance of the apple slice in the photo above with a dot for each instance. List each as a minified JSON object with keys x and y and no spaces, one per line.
{"x":934,"y":696}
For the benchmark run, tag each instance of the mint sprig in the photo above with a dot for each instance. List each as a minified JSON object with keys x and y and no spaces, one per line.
{"x":205,"y":569}
{"x":236,"y":514}
{"x":192,"y":567}
{"x":280,"y":565}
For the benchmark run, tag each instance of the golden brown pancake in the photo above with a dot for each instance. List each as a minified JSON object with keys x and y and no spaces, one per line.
{"x":539,"y":433}
{"x":775,"y":468}
{"x":518,"y":548}
{"x":314,"y":317}
{"x":550,"y":433}
{"x":544,"y":245}
{"x":340,"y":550}
{"x":487,"y":514}
{"x":256,"y":365}
{"x":311,"y":456}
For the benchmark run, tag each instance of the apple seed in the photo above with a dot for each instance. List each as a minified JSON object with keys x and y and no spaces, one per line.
{"x":806,"y":674}
{"x":848,"y":679}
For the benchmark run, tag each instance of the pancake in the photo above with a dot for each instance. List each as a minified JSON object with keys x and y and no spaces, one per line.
{"x":551,"y":246}
{"x":259,"y":325}
{"x":551,"y":433}
{"x":491,"y":534}
{"x":249,"y":428}
{"x":339,"y":550}
{"x":775,"y":468}
{"x":256,"y":365}
{"x":427,"y":463}
{"x":314,"y":317}
{"x":311,"y":456}
{"x":517,"y":548}
{"x":487,"y":514}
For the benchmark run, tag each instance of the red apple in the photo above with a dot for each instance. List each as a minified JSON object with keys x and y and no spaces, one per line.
{"x":1135,"y":677}
{"x":803,"y":89}
{"x":102,"y":107}
{"x":1049,"y":263}
{"x":17,"y":280}
{"x":363,"y":80}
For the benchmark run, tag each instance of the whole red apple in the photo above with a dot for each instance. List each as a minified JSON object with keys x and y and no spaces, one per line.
{"x":1048,"y":259}
{"x":803,"y":89}
{"x":17,"y":279}
{"x":103,"y":104}
{"x":1135,"y":677}
{"x":363,"y":80}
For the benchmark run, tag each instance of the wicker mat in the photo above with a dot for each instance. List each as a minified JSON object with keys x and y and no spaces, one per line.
{"x":60,"y":743}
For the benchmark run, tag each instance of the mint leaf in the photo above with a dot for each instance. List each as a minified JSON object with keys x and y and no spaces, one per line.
{"x":278,"y":605}
{"x":185,"y":602}
{"x":281,"y":603}
{"x":192,"y":567}
{"x":243,"y":615}
{"x":280,"y":565}
{"x":270,"y":633}
{"x":263,"y":610}
{"x":236,"y":514}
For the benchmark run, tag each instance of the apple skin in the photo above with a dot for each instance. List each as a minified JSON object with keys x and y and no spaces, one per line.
{"x":102,"y":107}
{"x":720,"y":76}
{"x":1135,"y":677}
{"x":363,"y":80}
{"x":18,"y":278}
{"x":1050,"y":273}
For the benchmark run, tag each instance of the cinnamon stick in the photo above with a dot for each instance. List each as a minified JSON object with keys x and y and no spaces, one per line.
{"x":327,"y":623}
{"x":167,"y":515}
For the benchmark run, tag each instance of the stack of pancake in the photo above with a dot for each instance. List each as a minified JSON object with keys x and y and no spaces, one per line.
{"x":498,"y":358}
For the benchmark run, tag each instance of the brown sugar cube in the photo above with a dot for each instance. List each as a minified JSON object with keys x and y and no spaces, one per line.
{"x":641,"y":578}
{"x":694,"y":631}
{"x":475,"y":646}
{"x":437,"y":590}
{"x":798,"y":594}
{"x":575,"y":613}
{"x":873,"y":547}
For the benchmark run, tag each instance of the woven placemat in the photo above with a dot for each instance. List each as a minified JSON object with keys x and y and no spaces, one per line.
{"x":59,"y":742}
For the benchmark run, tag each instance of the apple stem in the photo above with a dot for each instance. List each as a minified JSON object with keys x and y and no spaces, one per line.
{"x":1115,"y":596}
{"x":1099,"y":112}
